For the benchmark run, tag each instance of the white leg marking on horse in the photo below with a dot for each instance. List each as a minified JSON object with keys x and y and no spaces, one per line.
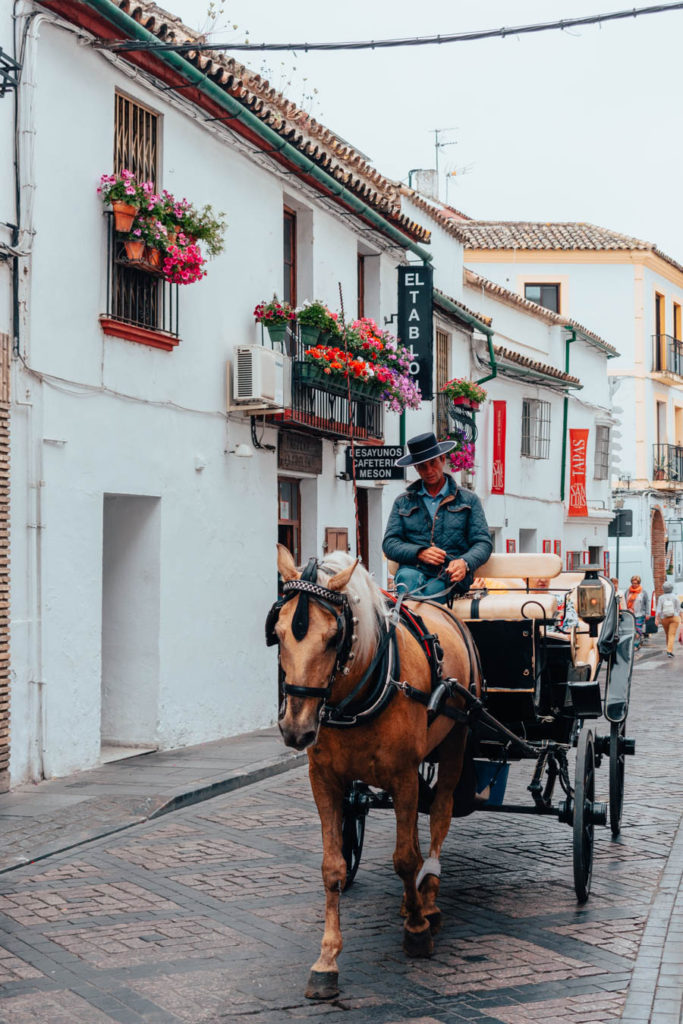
{"x":432,"y":866}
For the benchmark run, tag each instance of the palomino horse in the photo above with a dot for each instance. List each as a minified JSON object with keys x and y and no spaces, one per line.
{"x":357,"y":685}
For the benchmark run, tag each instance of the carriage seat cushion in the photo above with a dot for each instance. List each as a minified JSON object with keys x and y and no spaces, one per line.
{"x":514,"y":604}
{"x":539,"y":566}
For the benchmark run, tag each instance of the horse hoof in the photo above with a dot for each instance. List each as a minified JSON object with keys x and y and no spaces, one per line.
{"x":322,"y":985}
{"x":418,"y":944}
{"x":434,"y":921}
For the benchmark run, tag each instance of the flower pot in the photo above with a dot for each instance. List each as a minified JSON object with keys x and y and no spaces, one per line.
{"x":124,"y":214}
{"x":277,"y":333}
{"x":464,"y":400}
{"x":172,"y":236}
{"x":135,"y":250}
{"x":152,"y":256}
{"x":309,"y":335}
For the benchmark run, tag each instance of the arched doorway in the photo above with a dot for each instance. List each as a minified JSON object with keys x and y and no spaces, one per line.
{"x":658,"y":548}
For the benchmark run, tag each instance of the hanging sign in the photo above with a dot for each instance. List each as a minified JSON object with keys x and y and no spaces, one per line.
{"x":375,"y":461}
{"x":578,"y":450}
{"x":415,"y":323}
{"x":499,"y":430}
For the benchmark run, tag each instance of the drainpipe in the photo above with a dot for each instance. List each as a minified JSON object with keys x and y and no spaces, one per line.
{"x":237,"y":112}
{"x":451,"y":307}
{"x":565,"y":411}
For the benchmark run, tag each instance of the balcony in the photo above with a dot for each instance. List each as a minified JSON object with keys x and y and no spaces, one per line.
{"x":667,"y":355}
{"x":667,"y":463}
{"x":322,"y":405}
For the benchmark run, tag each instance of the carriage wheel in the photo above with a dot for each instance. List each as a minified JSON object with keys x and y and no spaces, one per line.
{"x":617,"y":757}
{"x":584,"y":796}
{"x":353,"y":829}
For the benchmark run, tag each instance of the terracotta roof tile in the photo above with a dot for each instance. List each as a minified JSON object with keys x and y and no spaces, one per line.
{"x":298,"y":128}
{"x":569,"y":236}
{"x":531,"y":364}
{"x":444,"y":217}
{"x":461,"y":305}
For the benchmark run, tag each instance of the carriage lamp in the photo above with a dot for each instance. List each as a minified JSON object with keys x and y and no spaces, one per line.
{"x":590,"y":600}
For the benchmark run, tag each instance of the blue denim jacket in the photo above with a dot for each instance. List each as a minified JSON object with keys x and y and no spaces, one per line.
{"x":459,"y":527}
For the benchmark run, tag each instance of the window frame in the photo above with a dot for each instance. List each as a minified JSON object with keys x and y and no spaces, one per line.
{"x":442,"y":374}
{"x":289,"y":257}
{"x":536,"y":444}
{"x":542,"y":285}
{"x":601,"y":453}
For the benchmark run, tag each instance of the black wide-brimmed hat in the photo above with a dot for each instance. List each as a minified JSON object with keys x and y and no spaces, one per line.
{"x":422,"y":448}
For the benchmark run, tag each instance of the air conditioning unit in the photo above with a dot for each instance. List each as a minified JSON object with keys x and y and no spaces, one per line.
{"x":258,"y":376}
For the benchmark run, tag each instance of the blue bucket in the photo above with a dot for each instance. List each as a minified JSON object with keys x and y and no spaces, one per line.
{"x":493,"y":774}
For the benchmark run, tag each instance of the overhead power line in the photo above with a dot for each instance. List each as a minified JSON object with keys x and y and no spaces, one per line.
{"x":127,"y":45}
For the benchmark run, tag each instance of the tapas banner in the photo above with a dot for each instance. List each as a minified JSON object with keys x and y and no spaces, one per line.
{"x":578,"y":451}
{"x":499,"y":425}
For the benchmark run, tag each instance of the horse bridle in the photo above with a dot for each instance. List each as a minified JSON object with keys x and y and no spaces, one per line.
{"x":334,"y":602}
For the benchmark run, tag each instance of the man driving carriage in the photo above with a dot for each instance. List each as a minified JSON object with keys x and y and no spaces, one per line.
{"x":437,"y":531}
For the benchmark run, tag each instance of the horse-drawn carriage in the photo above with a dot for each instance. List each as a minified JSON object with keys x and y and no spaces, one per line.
{"x":523,"y":691}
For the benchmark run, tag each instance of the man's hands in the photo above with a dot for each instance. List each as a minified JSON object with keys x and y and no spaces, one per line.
{"x":432,"y":556}
{"x":456,"y":569}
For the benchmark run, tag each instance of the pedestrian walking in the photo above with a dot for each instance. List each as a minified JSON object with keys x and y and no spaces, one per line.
{"x":668,"y":615}
{"x":637,"y":602}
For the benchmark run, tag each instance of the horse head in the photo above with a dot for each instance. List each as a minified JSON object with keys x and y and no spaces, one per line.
{"x":310,"y":631}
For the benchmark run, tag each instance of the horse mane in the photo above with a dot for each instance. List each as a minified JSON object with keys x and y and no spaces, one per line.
{"x":370,"y":610}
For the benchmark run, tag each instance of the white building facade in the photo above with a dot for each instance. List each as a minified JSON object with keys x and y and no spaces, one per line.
{"x":143,"y":543}
{"x":632,"y":293}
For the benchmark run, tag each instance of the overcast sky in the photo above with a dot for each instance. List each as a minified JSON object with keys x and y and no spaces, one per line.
{"x":578,"y":125}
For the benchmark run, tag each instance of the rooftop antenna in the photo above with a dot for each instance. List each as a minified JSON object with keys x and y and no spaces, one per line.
{"x":441,"y":145}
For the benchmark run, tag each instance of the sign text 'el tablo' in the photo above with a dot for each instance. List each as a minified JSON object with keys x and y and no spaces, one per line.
{"x":415,"y":322}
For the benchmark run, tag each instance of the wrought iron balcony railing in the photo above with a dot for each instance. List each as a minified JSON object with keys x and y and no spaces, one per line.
{"x":321,"y":404}
{"x":137,"y":293}
{"x":667,"y":355}
{"x":667,"y":462}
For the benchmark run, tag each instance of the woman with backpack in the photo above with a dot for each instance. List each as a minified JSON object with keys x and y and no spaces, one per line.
{"x":668,"y":615}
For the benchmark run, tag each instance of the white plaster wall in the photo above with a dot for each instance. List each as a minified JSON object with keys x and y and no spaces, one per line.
{"x":114,"y":417}
{"x":447,"y":252}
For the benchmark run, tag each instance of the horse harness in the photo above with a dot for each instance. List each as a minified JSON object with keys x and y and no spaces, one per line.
{"x":380,"y":682}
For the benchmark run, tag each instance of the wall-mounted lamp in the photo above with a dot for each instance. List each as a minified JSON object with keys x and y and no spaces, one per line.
{"x":242,"y":451}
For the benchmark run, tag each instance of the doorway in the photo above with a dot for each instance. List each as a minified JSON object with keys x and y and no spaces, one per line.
{"x":289,"y":515}
{"x":131,"y":546}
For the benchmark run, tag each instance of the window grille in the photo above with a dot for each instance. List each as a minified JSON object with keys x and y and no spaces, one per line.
{"x":136,"y":296}
{"x":135,"y":139}
{"x":601,"y":467}
{"x":443,"y":346}
{"x":535,"y":429}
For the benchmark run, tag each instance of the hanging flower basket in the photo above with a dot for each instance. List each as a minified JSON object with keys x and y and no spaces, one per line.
{"x":463,"y":400}
{"x":309,"y":335}
{"x":277,"y":333}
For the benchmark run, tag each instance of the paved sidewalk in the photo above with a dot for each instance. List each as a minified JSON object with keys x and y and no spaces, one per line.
{"x":38,"y":820}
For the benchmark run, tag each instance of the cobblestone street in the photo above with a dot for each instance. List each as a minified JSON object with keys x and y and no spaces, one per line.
{"x":214,"y":913}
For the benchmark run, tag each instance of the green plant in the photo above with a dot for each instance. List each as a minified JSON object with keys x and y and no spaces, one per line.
{"x":273,"y":312}
{"x":204,"y":226}
{"x":120,"y":187}
{"x":459,"y":387}
{"x":316,"y":314}
{"x":150,"y":230}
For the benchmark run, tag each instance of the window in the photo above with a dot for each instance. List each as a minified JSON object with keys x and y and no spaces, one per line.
{"x":601,"y":465}
{"x":535,"y":429}
{"x":289,"y":256}
{"x":573,"y":560}
{"x":547,"y":295}
{"x":442,"y":363}
{"x":136,"y":296}
{"x":361,"y":286}
{"x":677,"y":322}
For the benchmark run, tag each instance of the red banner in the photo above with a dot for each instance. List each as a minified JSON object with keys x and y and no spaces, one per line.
{"x":498,"y":473}
{"x":578,"y":451}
